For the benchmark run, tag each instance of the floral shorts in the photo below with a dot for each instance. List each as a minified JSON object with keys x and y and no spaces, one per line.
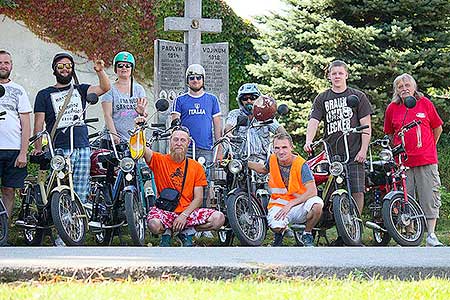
{"x":198,"y":217}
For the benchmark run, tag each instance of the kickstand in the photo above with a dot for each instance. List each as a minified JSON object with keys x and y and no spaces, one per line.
{"x":122,"y":242}
{"x":323,"y":234}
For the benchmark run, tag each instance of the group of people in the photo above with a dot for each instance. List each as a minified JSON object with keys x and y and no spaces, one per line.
{"x":293,"y":193}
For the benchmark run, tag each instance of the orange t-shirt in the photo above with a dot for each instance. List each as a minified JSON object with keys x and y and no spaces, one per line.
{"x":169,"y":174}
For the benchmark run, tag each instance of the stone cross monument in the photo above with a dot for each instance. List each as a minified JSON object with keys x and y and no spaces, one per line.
{"x":193,"y":25}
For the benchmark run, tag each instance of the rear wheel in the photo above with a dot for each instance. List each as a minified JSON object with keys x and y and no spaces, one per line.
{"x":30,"y":215}
{"x":348,"y":222}
{"x":3,"y":225}
{"x":135,"y":218}
{"x":69,"y":218}
{"x":405,"y":222}
{"x":246,"y":219}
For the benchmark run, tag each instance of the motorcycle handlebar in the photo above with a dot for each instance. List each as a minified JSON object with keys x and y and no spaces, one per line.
{"x":411,"y":125}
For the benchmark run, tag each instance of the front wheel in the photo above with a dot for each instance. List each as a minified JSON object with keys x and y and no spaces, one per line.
{"x":405,"y":222}
{"x":226,"y":237}
{"x":246,"y":219}
{"x":135,"y":218}
{"x":348,"y":223}
{"x":69,"y":218}
{"x":380,"y":238}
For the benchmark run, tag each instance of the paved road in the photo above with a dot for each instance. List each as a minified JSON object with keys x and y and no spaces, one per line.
{"x":17,"y":263}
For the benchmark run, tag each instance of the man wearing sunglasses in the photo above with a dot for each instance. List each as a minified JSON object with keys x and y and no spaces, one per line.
{"x":199,"y":111}
{"x":259,"y":136}
{"x":48,"y":104}
{"x":14,"y":133}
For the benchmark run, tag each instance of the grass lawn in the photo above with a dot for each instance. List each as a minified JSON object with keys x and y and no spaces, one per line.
{"x":253,"y":288}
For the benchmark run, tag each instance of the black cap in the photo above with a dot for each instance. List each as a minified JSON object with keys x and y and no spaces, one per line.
{"x":61,"y":55}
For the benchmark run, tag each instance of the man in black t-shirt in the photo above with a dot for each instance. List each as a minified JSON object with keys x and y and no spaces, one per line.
{"x":331,"y":107}
{"x":47,"y":106}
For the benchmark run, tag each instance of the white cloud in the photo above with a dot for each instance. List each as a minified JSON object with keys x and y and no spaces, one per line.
{"x":249,"y":8}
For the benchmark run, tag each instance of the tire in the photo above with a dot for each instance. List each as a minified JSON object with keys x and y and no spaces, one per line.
{"x":3,"y":225}
{"x":348,"y":223}
{"x":407,"y":229}
{"x":135,"y":218}
{"x":33,"y":237}
{"x":225,"y":237}
{"x":104,"y":238}
{"x":30,"y":214}
{"x":248,"y":222}
{"x":380,"y":238}
{"x":69,"y":218}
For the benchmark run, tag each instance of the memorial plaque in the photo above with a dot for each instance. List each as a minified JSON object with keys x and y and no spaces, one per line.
{"x":214,"y":59}
{"x":170,"y":69}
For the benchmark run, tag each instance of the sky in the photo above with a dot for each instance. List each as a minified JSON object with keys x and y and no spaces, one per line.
{"x":248,"y":8}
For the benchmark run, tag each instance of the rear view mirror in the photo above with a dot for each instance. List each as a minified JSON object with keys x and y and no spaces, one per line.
{"x":92,"y":98}
{"x":283,"y":109}
{"x":162,"y":105}
{"x":2,"y":91}
{"x":410,"y":102}
{"x":352,"y":101}
{"x":242,"y":121}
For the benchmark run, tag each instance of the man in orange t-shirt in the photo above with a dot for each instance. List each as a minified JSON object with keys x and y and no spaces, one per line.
{"x":188,"y":217}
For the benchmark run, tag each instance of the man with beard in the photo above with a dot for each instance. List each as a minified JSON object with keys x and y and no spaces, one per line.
{"x":14,"y":133}
{"x":49,"y":102}
{"x":171,"y":171}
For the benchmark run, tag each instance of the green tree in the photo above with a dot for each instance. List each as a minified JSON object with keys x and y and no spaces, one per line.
{"x":378,"y":39}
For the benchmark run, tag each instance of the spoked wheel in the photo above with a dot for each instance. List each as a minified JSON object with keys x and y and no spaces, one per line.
{"x":135,"y":218}
{"x":405,"y":222}
{"x":348,"y":222}
{"x":69,"y":218}
{"x":380,"y":238}
{"x":226,"y":237}
{"x":3,"y":224}
{"x":246,"y":219}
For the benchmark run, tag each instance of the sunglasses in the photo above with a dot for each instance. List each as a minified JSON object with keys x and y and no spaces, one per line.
{"x":249,"y":97}
{"x":195,"y":77}
{"x":61,"y":66}
{"x":120,"y":66}
{"x":181,"y":128}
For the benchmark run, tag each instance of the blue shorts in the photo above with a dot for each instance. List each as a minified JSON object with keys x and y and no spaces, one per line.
{"x":10,"y":175}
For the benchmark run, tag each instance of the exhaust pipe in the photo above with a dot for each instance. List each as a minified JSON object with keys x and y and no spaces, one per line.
{"x":375,"y":226}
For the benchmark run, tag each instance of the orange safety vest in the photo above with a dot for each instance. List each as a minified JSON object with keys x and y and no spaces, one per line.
{"x":280,"y":196}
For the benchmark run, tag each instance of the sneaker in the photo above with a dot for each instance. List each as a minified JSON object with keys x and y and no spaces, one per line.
{"x":186,"y":239}
{"x":308,"y":240}
{"x":165,"y":240}
{"x":433,"y":241}
{"x":206,"y":234}
{"x":289,"y":233}
{"x":278,"y":240}
{"x":59,"y":242}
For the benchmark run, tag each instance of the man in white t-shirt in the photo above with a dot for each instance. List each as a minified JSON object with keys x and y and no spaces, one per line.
{"x":14,"y":133}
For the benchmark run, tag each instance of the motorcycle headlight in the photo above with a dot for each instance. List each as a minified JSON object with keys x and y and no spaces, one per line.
{"x":235,"y":166}
{"x":126,"y":164}
{"x":57,"y":163}
{"x":336,"y":168}
{"x":386,"y":155}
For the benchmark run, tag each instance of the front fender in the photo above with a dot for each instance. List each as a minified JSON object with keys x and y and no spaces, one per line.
{"x":130,"y":188}
{"x":235,"y":191}
{"x":339,"y":192}
{"x":392,"y":194}
{"x":61,"y":188}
